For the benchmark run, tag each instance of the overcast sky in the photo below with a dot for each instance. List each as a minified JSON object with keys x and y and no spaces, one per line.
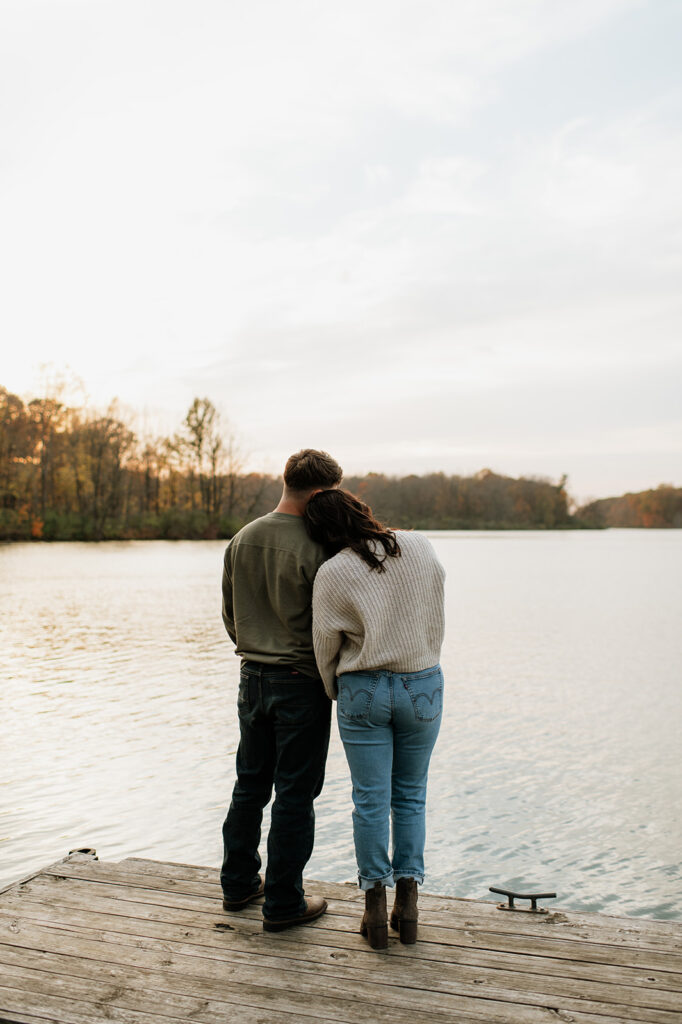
{"x":424,"y":235}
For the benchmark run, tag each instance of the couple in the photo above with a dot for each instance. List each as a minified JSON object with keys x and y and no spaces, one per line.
{"x":322,"y":602}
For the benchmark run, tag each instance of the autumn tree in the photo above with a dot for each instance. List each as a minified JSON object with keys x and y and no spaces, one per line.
{"x":200,"y":441}
{"x":15,"y":464}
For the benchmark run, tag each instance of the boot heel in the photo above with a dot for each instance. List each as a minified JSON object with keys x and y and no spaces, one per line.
{"x":374,"y":925}
{"x":405,"y":914}
{"x":408,"y":932}
{"x":378,"y":936}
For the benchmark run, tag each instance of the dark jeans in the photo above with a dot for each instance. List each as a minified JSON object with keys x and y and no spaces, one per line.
{"x":284,"y":722}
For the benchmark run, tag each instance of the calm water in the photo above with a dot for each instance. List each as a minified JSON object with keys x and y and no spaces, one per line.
{"x":558,"y":763}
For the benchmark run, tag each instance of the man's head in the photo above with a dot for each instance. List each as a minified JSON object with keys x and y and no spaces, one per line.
{"x":310,"y":470}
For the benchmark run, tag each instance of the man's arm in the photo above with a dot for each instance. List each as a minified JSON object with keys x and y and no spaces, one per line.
{"x":228,"y":607}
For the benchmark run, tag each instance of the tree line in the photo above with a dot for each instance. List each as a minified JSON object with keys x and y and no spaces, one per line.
{"x":76,"y":474}
{"x":660,"y":507}
{"x":72,"y":473}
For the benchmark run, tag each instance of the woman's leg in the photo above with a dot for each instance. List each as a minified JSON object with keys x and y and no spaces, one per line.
{"x":364,"y":718}
{"x":418,"y":703}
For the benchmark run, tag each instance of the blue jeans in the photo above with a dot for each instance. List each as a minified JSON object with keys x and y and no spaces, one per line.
{"x":388,"y":722}
{"x":284,"y":720}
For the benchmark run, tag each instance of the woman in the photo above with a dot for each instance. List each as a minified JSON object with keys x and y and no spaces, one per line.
{"x":378,"y":631}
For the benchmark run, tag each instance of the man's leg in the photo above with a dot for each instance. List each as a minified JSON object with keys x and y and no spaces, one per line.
{"x":301,"y":712}
{"x":252,"y":791}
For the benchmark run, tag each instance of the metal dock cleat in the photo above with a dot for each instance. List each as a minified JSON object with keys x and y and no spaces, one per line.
{"x":532,"y":896}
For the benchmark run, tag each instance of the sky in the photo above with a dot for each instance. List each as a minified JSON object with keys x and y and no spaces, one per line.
{"x":424,"y":235}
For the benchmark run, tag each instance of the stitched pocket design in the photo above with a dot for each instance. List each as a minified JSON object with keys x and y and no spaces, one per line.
{"x":426,"y":694}
{"x":355,"y":696}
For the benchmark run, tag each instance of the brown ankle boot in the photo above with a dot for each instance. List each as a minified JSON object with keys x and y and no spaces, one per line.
{"x":374,"y":920}
{"x":404,"y":914}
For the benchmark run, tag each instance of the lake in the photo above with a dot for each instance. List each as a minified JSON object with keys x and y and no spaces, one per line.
{"x":558,"y":764}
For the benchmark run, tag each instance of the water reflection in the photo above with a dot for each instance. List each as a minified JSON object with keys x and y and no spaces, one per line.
{"x":558,"y":763}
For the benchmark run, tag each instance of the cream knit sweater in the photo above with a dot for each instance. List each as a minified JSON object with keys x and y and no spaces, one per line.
{"x":364,"y":620}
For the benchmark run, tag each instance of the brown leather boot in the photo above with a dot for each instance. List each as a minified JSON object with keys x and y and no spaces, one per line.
{"x":404,"y":915}
{"x":374,"y":920}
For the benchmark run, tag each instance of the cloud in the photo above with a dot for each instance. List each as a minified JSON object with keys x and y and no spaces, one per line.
{"x":346,"y":207}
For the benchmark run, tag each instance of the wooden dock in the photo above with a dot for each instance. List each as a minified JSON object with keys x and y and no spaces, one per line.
{"x":142,"y":942}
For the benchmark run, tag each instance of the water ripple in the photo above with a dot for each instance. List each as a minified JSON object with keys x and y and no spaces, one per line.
{"x":558,"y":764}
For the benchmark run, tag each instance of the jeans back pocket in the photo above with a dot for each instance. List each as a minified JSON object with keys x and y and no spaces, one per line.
{"x":426,"y":693}
{"x":243,"y":694}
{"x":356,"y":692}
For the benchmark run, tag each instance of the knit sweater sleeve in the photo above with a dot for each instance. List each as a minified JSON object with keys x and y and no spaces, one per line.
{"x":328,"y":627}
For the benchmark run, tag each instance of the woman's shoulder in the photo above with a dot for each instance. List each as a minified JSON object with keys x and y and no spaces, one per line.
{"x":418,"y":545}
{"x":339,"y":564}
{"x":413,"y":541}
{"x":338,"y":577}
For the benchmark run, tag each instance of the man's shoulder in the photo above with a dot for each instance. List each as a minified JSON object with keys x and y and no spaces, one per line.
{"x":255,"y":528}
{"x":276,"y":530}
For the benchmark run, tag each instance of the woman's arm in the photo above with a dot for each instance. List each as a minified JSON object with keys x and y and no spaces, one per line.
{"x":328,"y":635}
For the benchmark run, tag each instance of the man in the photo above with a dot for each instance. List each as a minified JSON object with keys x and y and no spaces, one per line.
{"x":284,"y":713}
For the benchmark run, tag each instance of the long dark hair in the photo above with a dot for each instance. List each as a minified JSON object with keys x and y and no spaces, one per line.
{"x":337,"y":519}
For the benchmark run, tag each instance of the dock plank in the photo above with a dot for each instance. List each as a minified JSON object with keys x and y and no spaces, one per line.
{"x":107,"y":901}
{"x":448,"y":978}
{"x":217,"y":1003}
{"x":349,"y":893}
{"x":148,"y":941}
{"x":179,"y":910}
{"x":464,"y":983}
{"x":19,"y":1006}
{"x":605,"y":930}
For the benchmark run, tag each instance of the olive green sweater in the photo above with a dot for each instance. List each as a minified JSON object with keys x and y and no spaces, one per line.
{"x":268,"y":573}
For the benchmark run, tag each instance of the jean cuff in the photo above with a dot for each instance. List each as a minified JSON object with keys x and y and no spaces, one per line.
{"x":419,"y":879}
{"x":369,"y":883}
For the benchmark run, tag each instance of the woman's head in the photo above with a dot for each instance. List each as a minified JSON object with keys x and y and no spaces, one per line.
{"x":337,"y":519}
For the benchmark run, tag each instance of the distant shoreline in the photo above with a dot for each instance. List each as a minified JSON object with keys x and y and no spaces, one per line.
{"x":420,"y":529}
{"x":73,"y":474}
